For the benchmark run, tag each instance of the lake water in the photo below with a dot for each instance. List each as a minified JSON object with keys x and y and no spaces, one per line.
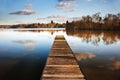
{"x":23,"y":53}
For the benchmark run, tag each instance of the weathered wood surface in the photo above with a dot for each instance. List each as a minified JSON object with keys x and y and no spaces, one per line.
{"x":61,"y":63}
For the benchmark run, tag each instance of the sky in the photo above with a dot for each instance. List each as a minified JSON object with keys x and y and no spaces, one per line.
{"x":43,"y":11}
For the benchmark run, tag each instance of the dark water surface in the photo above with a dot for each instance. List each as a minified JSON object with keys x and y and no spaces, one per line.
{"x":23,"y":53}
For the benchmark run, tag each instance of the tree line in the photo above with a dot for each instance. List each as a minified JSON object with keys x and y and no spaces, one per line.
{"x":35,"y":25}
{"x":96,"y":22}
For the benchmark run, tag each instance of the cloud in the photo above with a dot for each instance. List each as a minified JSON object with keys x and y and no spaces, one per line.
{"x":67,"y":5}
{"x":88,"y":0}
{"x":54,"y":17}
{"x":63,"y":5}
{"x":84,"y":56}
{"x":60,"y":18}
{"x":67,"y":0}
{"x":27,"y":11}
{"x":23,"y":12}
{"x":57,"y":16}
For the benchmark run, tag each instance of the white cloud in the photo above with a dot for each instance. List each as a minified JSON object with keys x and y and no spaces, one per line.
{"x":60,"y":18}
{"x":57,"y":16}
{"x":88,"y":0}
{"x":63,"y":5}
{"x":27,"y":11}
{"x":67,"y":5}
{"x":54,"y":17}
{"x":23,"y":12}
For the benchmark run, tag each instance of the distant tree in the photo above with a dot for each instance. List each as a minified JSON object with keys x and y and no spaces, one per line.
{"x":96,"y":18}
{"x":67,"y":22}
{"x":52,"y":22}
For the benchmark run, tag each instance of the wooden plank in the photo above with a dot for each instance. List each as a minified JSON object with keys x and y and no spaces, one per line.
{"x":62,"y":75}
{"x":61,"y":63}
{"x":60,"y":54}
{"x":60,"y":79}
{"x":68,"y":70}
{"x":60,"y":42}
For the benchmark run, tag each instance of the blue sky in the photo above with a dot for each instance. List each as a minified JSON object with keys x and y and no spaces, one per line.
{"x":43,"y":11}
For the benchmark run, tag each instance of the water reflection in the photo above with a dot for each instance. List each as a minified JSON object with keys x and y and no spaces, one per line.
{"x":84,"y":56}
{"x":115,"y":65}
{"x":95,"y":37}
{"x":102,"y":60}
{"x":28,"y":43}
{"x":23,"y":53}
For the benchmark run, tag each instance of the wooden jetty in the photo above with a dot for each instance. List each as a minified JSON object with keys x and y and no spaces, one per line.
{"x":61,"y":63}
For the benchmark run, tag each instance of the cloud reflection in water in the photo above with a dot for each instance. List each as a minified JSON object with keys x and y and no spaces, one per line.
{"x":84,"y":56}
{"x":28,"y":43}
{"x":115,"y":65}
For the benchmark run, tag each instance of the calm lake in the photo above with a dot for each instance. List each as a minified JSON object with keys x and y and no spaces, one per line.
{"x":23,"y":52}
